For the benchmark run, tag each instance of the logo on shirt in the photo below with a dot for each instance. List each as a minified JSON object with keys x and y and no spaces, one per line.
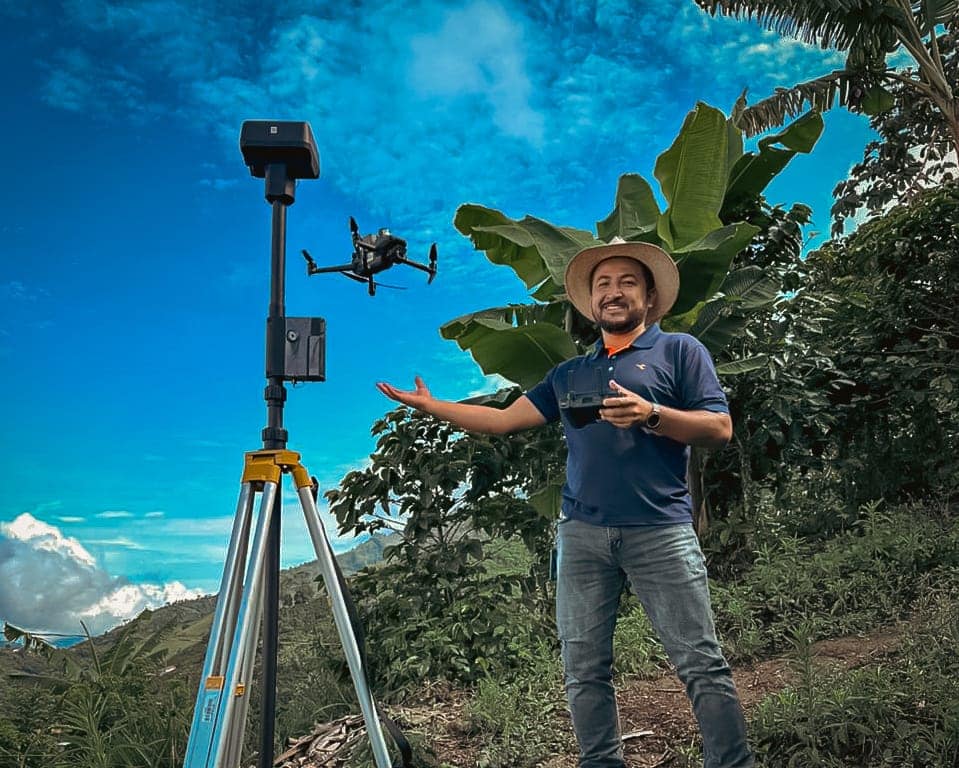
{"x":641,"y":366}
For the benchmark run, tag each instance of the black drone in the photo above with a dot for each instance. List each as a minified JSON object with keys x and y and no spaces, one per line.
{"x":372,"y":254}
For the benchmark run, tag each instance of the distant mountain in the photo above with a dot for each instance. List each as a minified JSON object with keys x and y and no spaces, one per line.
{"x":178,"y":632}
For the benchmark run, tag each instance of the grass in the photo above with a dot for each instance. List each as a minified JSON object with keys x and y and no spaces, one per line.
{"x":904,"y":712}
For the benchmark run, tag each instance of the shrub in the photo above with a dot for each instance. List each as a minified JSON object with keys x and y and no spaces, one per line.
{"x":902,"y":713}
{"x":519,"y":716}
{"x":860,"y":579}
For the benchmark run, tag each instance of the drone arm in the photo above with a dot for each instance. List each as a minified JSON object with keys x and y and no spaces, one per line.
{"x":312,"y":269}
{"x":415,"y":264}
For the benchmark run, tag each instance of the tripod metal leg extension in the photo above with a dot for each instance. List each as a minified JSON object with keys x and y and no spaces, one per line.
{"x":216,"y":736}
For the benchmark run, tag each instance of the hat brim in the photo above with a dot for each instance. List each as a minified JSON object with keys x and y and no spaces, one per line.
{"x":579,"y":271}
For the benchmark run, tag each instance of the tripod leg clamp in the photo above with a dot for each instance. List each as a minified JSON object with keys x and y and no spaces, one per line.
{"x":268,"y":466}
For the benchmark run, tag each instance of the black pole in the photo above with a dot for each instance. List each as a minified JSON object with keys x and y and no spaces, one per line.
{"x":279,"y":192}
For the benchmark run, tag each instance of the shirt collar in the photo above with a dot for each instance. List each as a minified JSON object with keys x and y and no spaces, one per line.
{"x":645,"y":340}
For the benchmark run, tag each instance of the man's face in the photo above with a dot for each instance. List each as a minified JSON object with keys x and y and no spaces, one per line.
{"x":618,"y":296}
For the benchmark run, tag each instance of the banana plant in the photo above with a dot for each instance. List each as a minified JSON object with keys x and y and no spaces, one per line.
{"x":703,"y":176}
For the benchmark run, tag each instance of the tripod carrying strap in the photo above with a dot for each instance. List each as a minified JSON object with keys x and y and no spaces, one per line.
{"x":402,"y":743}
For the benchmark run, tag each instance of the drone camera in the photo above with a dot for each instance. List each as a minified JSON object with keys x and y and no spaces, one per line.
{"x":268,"y":142}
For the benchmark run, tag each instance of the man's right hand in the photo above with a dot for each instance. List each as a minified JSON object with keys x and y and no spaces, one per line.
{"x":521,"y":414}
{"x":416,"y":398}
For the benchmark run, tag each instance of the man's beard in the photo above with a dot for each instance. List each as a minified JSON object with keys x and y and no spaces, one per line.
{"x":630,"y":322}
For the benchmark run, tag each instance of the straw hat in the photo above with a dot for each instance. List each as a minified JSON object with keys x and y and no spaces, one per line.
{"x":579,"y":273}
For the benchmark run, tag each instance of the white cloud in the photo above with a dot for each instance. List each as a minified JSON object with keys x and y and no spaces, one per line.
{"x":114,"y":514}
{"x":119,"y":541}
{"x":478,"y":51}
{"x":16,"y":290}
{"x":51,"y":583}
{"x":46,"y":538}
{"x":419,"y":106}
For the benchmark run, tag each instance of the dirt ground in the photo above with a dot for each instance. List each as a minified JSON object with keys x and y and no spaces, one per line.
{"x":655,"y":715}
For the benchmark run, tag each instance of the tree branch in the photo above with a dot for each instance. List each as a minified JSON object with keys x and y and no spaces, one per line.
{"x":927,"y":65}
{"x":919,"y":85}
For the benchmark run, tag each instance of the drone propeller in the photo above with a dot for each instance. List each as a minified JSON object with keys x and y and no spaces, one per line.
{"x":432,"y":267}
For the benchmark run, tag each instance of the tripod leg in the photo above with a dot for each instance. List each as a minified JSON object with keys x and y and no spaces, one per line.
{"x":271,"y":639}
{"x":210,"y":691}
{"x":234,"y":705}
{"x":324,"y":554}
{"x":238,"y":724}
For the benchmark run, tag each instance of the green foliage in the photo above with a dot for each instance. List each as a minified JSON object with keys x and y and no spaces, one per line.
{"x":518,"y":717}
{"x":914,"y":151}
{"x":869,"y":33}
{"x":857,"y":400}
{"x":692,"y":175}
{"x":636,"y":649}
{"x":705,"y":178}
{"x":904,"y":712}
{"x":116,"y":709}
{"x":856,"y":580}
{"x":895,"y":345}
{"x":28,"y":738}
{"x":441,"y":606}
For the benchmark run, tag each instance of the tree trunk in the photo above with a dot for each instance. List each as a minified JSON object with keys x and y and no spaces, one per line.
{"x":694,"y":477}
{"x":953,"y":120}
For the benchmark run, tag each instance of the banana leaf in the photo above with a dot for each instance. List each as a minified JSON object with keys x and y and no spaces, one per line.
{"x":533,"y":248}
{"x":635,"y":214}
{"x":704,"y":264}
{"x":753,"y":172}
{"x":692,"y":174}
{"x":520,"y":353}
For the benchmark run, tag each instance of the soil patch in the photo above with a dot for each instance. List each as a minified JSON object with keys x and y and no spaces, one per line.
{"x":655,"y":714}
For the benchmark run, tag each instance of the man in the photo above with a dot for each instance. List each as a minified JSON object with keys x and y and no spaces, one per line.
{"x":626,"y":513}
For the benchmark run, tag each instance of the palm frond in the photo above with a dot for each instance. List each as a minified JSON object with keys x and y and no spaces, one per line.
{"x":935,"y":12}
{"x":32,"y":641}
{"x":828,"y":24}
{"x":820,"y":94}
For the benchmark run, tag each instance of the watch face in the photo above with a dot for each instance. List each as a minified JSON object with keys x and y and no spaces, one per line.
{"x":652,"y":422}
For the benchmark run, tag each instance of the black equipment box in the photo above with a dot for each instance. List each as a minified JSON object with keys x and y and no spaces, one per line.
{"x":304,"y":350}
{"x":264,"y":142}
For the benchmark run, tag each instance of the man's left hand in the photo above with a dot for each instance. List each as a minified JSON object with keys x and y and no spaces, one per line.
{"x":625,"y":409}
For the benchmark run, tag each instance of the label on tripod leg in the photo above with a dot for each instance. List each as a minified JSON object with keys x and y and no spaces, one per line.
{"x":211,"y":699}
{"x":199,"y":753}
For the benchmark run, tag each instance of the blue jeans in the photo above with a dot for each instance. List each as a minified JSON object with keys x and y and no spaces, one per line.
{"x":667,"y":572}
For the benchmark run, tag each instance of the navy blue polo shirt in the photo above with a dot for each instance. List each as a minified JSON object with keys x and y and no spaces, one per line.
{"x":631,"y":476}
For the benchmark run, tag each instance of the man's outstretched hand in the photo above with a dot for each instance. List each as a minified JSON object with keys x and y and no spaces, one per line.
{"x":415,"y":398}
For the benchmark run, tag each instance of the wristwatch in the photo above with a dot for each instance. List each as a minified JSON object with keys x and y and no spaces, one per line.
{"x":654,"y":418}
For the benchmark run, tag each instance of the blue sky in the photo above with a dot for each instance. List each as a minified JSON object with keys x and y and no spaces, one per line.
{"x":135,"y":246}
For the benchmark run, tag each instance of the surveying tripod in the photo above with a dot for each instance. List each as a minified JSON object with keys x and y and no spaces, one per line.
{"x":280,"y":152}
